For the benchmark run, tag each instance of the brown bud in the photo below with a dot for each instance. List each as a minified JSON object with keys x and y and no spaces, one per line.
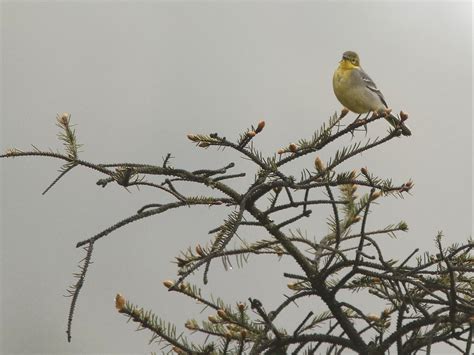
{"x":243,"y":333}
{"x":213,"y":319}
{"x":409,"y":184}
{"x":403,"y":116}
{"x":260,"y":126}
{"x":64,"y":118}
{"x":191,"y":325}
{"x":386,"y":312}
{"x":364,"y":171}
{"x":344,"y":112}
{"x":168,"y":283}
{"x":192,"y":137}
{"x":373,"y":317}
{"x":281,"y":151}
{"x":203,"y":145}
{"x":11,"y":151}
{"x":356,"y":219}
{"x":319,"y":165}
{"x":251,"y":134}
{"x":387,"y":112}
{"x":293,"y":286}
{"x":119,"y":302}
{"x":241,"y":306}
{"x":376,"y":280}
{"x":228,"y":335}
{"x":221,"y":312}
{"x":376,"y":195}
{"x":293,"y":147}
{"x":199,"y":250}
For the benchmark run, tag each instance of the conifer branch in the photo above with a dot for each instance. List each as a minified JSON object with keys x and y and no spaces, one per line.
{"x":429,"y":295}
{"x":75,"y":289}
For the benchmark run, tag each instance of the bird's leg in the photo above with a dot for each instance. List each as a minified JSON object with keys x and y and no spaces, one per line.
{"x":353,"y":123}
{"x":365,"y":124}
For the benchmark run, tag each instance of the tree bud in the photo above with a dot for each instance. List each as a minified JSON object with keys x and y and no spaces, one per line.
{"x":376,"y":195}
{"x":403,"y":116}
{"x":213,"y":319}
{"x":344,"y":112}
{"x":119,"y":302}
{"x":260,"y":126}
{"x":293,"y":286}
{"x":191,"y":325}
{"x":64,"y":118}
{"x":373,"y":317}
{"x":168,"y":283}
{"x":319,"y":165}
{"x":221,"y":312}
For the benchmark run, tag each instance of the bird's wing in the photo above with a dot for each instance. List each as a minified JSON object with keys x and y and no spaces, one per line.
{"x":369,"y":83}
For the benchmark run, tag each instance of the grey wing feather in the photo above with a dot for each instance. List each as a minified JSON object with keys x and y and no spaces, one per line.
{"x":369,"y":83}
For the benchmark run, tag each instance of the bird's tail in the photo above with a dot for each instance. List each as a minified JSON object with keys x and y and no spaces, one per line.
{"x":397,"y":123}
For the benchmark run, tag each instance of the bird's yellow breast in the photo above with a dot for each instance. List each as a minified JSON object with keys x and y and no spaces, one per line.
{"x":340,"y":79}
{"x":348,"y":91}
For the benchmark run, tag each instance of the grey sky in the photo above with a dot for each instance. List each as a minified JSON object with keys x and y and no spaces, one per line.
{"x":138,"y":76}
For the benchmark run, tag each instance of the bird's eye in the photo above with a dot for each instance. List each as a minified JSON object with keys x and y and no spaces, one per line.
{"x":353,"y":61}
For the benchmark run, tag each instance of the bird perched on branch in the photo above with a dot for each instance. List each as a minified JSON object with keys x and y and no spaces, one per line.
{"x":356,"y":91}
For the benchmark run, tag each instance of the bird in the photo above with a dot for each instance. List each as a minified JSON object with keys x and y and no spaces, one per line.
{"x":356,"y":91}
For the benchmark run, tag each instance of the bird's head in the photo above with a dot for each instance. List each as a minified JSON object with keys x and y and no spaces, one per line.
{"x":349,"y":60}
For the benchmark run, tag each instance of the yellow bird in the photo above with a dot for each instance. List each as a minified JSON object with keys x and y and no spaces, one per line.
{"x":356,"y":91}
